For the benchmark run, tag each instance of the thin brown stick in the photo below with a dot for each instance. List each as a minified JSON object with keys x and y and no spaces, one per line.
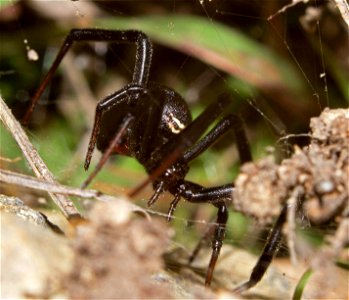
{"x":31,"y":182}
{"x":36,"y":163}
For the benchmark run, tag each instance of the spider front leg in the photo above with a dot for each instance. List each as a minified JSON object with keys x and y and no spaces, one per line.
{"x":112,"y":102}
{"x":142,"y":64}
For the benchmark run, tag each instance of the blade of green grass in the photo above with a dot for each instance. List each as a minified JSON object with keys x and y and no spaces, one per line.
{"x":225,"y":48}
{"x":301,"y":285}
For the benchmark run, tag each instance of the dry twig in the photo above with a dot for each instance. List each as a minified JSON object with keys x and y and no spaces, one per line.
{"x":36,"y":163}
{"x":31,"y":182}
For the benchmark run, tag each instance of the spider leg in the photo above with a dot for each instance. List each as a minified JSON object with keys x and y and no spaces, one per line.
{"x":142,"y":64}
{"x":112,"y":100}
{"x":195,"y":193}
{"x":270,"y":248}
{"x":198,"y":194}
{"x":113,"y":143}
{"x":230,"y":122}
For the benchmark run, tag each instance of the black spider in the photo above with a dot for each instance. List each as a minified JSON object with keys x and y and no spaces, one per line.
{"x":152,"y":123}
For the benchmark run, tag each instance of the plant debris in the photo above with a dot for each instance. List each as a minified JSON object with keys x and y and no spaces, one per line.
{"x":319,"y":172}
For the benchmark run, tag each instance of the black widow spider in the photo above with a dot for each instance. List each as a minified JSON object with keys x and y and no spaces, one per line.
{"x":152,"y":123}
